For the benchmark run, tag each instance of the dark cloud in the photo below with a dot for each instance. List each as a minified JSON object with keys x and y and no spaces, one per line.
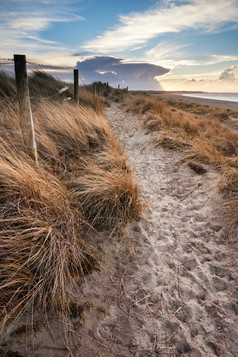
{"x":114,"y":71}
{"x":79,"y":54}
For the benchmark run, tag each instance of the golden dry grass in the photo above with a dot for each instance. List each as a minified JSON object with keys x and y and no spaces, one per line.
{"x":42,"y":244}
{"x":82,"y":181}
{"x":43,"y":85}
{"x":200,"y":109}
{"x":96,"y":102}
{"x":200,"y":133}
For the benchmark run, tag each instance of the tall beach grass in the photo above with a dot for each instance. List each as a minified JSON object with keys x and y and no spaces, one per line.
{"x":83,"y":182}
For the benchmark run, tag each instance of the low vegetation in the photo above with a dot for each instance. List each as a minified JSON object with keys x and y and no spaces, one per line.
{"x":82,"y":183}
{"x":200,"y":132}
{"x":43,"y":86}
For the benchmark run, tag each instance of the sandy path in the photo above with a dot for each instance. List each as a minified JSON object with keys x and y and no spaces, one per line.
{"x":167,"y":284}
{"x":178,"y":277}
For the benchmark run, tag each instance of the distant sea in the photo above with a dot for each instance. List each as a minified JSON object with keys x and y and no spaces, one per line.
{"x":230,"y":97}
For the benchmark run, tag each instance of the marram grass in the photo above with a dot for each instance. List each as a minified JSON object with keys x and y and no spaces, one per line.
{"x":200,"y":133}
{"x":82,"y":182}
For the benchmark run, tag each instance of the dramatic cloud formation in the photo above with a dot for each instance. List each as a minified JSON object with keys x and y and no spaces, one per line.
{"x":194,"y":39}
{"x":114,"y":71}
{"x":137,"y":29}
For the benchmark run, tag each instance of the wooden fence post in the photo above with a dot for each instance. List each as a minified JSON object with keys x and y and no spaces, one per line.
{"x":26,"y":119}
{"x":76,"y":86}
{"x":118,"y":86}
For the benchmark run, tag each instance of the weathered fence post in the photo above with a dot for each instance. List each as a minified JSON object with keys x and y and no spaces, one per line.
{"x":76,"y":86}
{"x":118,"y":86}
{"x":26,"y":119}
{"x":95,"y":89}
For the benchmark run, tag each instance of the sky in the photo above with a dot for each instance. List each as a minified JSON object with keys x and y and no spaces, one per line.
{"x":172,"y":45}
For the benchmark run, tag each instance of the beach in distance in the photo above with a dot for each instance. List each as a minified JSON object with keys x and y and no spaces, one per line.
{"x":220,"y":100}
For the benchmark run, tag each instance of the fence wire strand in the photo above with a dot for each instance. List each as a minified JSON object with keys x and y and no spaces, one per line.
{"x":6,"y":59}
{"x":46,"y":66}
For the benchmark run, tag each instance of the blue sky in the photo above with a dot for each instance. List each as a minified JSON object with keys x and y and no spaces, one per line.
{"x":166,"y":44}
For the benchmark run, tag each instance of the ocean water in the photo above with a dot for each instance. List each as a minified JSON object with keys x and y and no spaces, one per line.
{"x":230,"y":97}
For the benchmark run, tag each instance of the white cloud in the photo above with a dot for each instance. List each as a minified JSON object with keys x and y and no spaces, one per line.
{"x":229,"y":74}
{"x":210,"y":60}
{"x":138,"y":28}
{"x":29,"y":23}
{"x":172,"y":55}
{"x":164,"y":51}
{"x":215,"y":81}
{"x":21,"y":26}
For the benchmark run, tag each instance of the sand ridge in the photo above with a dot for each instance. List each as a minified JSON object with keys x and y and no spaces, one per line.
{"x":167,"y":284}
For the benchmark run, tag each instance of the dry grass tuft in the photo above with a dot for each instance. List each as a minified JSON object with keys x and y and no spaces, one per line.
{"x":108,"y":197}
{"x":88,"y":99}
{"x":41,"y":230}
{"x":7,"y":86}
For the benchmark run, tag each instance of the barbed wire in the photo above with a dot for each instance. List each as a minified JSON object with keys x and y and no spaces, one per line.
{"x":50,"y":66}
{"x":60,"y":91}
{"x":46,"y":66}
{"x":6,"y":59}
{"x":59,"y":67}
{"x":85,"y":84}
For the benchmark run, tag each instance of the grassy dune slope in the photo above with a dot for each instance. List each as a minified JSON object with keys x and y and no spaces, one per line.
{"x":83,"y":181}
{"x":200,"y":133}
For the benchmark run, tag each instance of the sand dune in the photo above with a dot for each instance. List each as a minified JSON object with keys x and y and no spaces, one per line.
{"x":167,"y":284}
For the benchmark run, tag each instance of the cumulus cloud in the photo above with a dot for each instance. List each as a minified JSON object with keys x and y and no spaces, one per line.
{"x":229,"y":74}
{"x":137,"y":29}
{"x":115,"y":71}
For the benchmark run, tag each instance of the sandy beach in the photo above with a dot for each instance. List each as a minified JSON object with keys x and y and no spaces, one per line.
{"x":211,"y":102}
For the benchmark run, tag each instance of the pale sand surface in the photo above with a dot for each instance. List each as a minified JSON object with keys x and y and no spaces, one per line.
{"x":211,"y":102}
{"x":168,"y":283}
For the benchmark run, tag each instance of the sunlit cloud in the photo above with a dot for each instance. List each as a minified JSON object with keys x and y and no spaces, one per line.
{"x":138,"y":28}
{"x":210,"y":60}
{"x":229,"y":74}
{"x":215,"y":81}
